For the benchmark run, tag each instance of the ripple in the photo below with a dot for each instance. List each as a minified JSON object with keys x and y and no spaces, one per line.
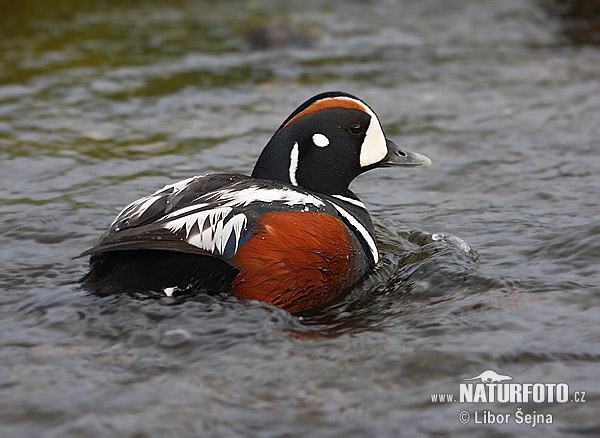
{"x":488,"y":257}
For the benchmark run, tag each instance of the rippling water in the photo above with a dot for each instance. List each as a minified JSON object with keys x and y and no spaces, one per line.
{"x":489,"y":256}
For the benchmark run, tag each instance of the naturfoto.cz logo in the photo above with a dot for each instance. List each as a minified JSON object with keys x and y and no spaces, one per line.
{"x":492,"y":387}
{"x":497,"y":388}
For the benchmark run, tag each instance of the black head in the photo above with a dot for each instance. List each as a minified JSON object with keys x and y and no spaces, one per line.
{"x":327,"y":142}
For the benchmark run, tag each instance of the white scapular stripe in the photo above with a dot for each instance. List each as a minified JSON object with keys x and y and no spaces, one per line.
{"x":178,"y":186}
{"x":294,"y":164}
{"x":362,"y":230}
{"x":350,"y":200}
{"x":230,"y":199}
{"x":148,"y":202}
{"x":243,"y":197}
{"x":185,"y":210}
{"x":138,"y":207}
{"x":214,"y":229}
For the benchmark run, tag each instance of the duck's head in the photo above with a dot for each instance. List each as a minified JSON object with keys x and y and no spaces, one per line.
{"x":327,"y":142}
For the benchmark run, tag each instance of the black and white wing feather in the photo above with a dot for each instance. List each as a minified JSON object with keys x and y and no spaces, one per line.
{"x":213,"y":215}
{"x":140,"y":225}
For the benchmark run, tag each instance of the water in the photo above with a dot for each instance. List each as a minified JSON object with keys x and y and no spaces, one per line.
{"x":489,"y":256}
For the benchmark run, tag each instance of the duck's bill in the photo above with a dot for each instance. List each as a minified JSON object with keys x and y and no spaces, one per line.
{"x":399,"y":157}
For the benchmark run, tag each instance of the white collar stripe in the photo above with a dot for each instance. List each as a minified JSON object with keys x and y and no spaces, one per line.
{"x":350,"y":200}
{"x":362,"y":230}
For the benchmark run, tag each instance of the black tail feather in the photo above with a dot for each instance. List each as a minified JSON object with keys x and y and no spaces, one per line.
{"x":133,"y":271}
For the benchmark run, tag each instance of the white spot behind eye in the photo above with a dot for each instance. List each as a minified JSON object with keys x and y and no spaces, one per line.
{"x":320,"y":140}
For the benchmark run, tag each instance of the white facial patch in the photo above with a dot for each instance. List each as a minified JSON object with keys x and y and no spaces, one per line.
{"x":374,"y":148}
{"x":294,"y":164}
{"x":320,"y":140}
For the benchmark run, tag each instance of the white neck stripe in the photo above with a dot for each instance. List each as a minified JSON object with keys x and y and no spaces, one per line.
{"x":362,"y":230}
{"x":350,"y":200}
{"x":294,"y":164}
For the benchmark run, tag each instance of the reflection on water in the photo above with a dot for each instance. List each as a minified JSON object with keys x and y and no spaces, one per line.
{"x":489,"y":256}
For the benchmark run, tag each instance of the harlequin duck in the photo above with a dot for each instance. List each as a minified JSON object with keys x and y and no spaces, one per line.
{"x":292,"y":234}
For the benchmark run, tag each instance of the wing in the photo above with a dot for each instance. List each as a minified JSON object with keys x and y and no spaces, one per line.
{"x":170,"y":198}
{"x":212,"y":215}
{"x":138,"y":225}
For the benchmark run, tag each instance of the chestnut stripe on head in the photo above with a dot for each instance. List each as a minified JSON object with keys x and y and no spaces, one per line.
{"x":330,"y":102}
{"x":374,"y":147}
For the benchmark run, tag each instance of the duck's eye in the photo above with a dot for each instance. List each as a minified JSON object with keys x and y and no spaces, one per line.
{"x":357,"y":128}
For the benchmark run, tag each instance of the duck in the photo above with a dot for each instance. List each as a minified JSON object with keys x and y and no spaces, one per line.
{"x":291,"y":234}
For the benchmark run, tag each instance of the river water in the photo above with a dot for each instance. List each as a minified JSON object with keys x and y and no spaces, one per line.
{"x":489,"y":256}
